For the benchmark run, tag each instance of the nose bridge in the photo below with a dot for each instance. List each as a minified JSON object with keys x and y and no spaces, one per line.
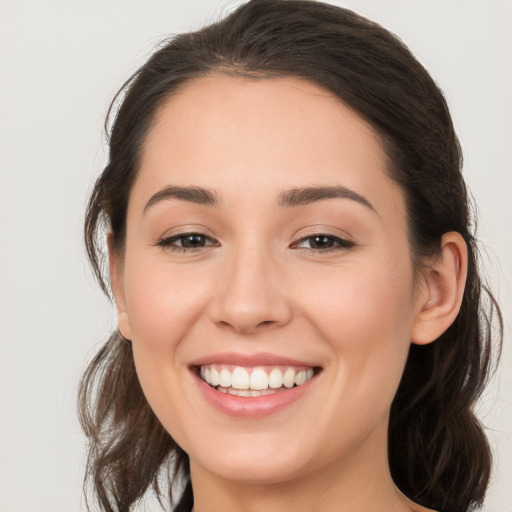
{"x":251,"y":296}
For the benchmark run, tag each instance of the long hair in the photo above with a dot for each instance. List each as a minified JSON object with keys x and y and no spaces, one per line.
{"x":438,"y":452}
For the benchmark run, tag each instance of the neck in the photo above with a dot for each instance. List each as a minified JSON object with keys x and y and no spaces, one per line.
{"x":360,"y":482}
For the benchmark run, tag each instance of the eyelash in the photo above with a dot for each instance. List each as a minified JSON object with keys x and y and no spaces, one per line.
{"x":340,"y":243}
{"x":169,"y":242}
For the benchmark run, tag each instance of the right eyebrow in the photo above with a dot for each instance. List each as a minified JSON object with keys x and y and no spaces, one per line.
{"x":306,"y":195}
{"x":196,"y":195}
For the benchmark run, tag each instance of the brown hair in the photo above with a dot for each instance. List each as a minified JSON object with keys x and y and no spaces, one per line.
{"x":438,"y":452}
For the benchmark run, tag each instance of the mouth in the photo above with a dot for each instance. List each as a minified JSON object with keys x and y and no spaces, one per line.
{"x":254,"y":381}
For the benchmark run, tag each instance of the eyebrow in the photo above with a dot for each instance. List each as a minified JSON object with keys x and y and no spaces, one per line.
{"x":294,"y":197}
{"x":196,"y":195}
{"x":306,"y":195}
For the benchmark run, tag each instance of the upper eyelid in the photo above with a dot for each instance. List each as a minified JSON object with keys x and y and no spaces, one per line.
{"x":341,"y":240}
{"x":344,"y":237}
{"x":295,"y":241}
{"x":320,"y":233}
{"x":321,"y":229}
{"x":186,"y":233}
{"x":184,"y":230}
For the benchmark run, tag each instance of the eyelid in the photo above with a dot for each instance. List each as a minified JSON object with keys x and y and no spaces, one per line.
{"x":342,"y":243}
{"x":167,"y":241}
{"x":185,"y":234}
{"x":321,"y":229}
{"x":184,"y":230}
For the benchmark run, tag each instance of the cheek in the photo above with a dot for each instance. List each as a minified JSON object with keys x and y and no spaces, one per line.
{"x":163,"y":307}
{"x":365,"y":316}
{"x":162,"y":304}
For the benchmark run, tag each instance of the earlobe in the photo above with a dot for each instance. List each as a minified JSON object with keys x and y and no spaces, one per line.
{"x":442,"y":290}
{"x":116,"y":283}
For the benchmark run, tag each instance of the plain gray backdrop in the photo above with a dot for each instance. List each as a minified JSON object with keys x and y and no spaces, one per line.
{"x":61,"y":62}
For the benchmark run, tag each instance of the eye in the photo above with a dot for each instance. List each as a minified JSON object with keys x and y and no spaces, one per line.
{"x":322,"y":242}
{"x":187,"y":242}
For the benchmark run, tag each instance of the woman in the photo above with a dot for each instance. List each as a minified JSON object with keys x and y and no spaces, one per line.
{"x":300,"y":315}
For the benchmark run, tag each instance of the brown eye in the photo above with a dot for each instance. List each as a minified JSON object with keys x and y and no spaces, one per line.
{"x":193,"y":240}
{"x":324,"y":243}
{"x":186,"y":242}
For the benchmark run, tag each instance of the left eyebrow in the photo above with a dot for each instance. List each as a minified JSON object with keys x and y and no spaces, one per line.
{"x":306,"y":195}
{"x":196,"y":195}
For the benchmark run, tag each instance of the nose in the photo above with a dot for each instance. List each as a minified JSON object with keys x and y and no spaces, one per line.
{"x":251,"y":297}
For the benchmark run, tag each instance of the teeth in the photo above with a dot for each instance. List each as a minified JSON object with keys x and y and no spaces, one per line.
{"x":246,"y":392}
{"x":275,"y":379}
{"x":258,"y":381}
{"x":289,"y":378}
{"x":225,"y":378}
{"x":240,"y":378}
{"x":300,"y":378}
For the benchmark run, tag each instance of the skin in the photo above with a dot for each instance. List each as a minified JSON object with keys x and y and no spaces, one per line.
{"x":259,"y":287}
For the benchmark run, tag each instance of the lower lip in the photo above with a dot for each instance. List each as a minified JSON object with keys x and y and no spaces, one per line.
{"x":253,"y":407}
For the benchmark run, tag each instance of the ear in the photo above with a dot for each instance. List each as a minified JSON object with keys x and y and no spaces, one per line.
{"x":117,"y":285}
{"x":441,"y":290}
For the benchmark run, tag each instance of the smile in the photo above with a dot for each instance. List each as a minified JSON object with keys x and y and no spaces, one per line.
{"x":254,"y":381}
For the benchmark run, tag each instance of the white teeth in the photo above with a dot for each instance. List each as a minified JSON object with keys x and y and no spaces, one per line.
{"x":253,"y":381}
{"x":275,"y":379}
{"x":246,"y":392}
{"x":225,"y":378}
{"x":289,"y":378}
{"x":240,"y":378}
{"x":259,"y":379}
{"x":300,"y":378}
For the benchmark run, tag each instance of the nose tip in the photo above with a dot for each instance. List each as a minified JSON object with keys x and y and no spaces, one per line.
{"x":251,"y":300}
{"x":247,"y":319}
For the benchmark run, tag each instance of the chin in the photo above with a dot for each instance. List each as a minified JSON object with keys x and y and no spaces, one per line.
{"x":264,"y":471}
{"x":258,"y":460}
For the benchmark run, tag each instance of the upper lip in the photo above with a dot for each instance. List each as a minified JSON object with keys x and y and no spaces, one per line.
{"x":250,"y":360}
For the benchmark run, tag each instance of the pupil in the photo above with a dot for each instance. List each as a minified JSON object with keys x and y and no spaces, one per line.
{"x":193,"y":241}
{"x":319,"y":242}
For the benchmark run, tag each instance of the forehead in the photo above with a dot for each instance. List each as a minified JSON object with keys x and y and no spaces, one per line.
{"x":228,"y":112}
{"x":243,"y":135}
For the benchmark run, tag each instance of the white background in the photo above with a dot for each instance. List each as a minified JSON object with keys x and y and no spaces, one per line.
{"x":60,"y":64}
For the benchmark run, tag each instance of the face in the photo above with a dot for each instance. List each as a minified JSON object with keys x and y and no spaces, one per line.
{"x":267,"y":253}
